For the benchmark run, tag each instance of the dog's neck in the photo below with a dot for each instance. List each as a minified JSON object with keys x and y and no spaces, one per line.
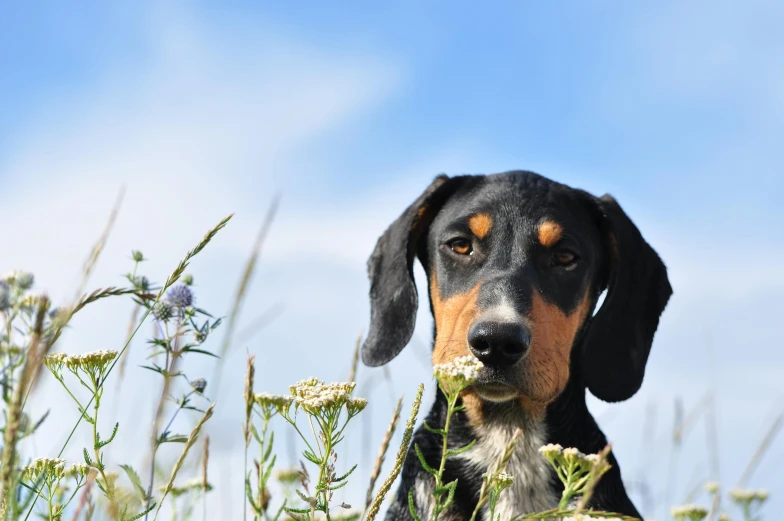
{"x":535,"y":487}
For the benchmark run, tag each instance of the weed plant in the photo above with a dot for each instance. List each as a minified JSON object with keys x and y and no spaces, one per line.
{"x":319,"y":413}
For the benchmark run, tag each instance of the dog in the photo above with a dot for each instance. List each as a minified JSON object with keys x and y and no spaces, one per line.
{"x":515,"y":265}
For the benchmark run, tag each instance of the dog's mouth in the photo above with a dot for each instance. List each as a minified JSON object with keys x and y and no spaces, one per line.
{"x":495,"y":392}
{"x":494,"y":386}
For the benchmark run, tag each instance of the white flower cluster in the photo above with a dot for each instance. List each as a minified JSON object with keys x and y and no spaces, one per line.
{"x":94,"y":362}
{"x":691,"y":512}
{"x":711,"y":487}
{"x":51,"y":468}
{"x":314,"y":396}
{"x":78,"y":471}
{"x":742,"y":495}
{"x":273,"y":400}
{"x":571,"y":461}
{"x":458,"y":374}
{"x":501,"y":480}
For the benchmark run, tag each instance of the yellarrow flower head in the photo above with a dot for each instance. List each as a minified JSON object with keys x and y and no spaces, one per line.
{"x":49,"y":469}
{"x":458,"y":374}
{"x":689,"y":512}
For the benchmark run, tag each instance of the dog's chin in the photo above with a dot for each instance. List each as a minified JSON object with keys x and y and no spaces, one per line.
{"x":495,"y":392}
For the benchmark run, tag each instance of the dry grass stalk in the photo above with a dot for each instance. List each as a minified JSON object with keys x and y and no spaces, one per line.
{"x":188,"y":444}
{"x":592,"y":481}
{"x":761,"y":449}
{"x":401,"y":456}
{"x":92,"y":259}
{"x":243,"y":286}
{"x":205,"y":460}
{"x":383,"y":451}
{"x":246,"y":428}
{"x":352,"y":377}
{"x":8,"y":463}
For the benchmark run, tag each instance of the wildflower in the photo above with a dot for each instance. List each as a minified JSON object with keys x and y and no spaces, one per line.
{"x":724,"y":517}
{"x":689,"y":512}
{"x":551,"y":451}
{"x":199,"y":385}
{"x":21,"y":279}
{"x":501,"y":480}
{"x":5,"y":296}
{"x":93,"y":363}
{"x":187,"y":279}
{"x":272,"y":400}
{"x":137,"y":256}
{"x":77,"y":470}
{"x":52,"y":469}
{"x":55,"y":362}
{"x":356,"y":405}
{"x":711,"y":487}
{"x":180,"y":296}
{"x":746,"y":497}
{"x":458,"y":374}
{"x":290,"y":475}
{"x":163,"y":311}
{"x":141,"y":282}
{"x":314,"y":395}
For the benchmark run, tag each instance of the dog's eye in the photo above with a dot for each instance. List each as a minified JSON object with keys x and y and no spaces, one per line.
{"x":461,"y":246}
{"x":564,"y":258}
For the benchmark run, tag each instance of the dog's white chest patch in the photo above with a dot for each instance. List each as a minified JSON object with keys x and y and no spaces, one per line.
{"x":531,"y":490}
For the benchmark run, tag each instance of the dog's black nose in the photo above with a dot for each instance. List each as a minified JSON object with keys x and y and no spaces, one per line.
{"x":499,"y":343}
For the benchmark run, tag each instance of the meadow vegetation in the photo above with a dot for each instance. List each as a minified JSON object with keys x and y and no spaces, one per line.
{"x":319,"y":413}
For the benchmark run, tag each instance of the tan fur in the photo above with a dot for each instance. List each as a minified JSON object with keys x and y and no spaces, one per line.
{"x":553,"y":333}
{"x":480,"y":224}
{"x":453,"y":316}
{"x":549,"y":233}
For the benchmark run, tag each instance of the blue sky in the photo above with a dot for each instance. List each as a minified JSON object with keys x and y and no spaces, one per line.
{"x":674,"y":108}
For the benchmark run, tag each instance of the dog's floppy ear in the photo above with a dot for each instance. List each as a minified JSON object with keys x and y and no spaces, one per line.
{"x":393,"y":294}
{"x":619,"y":337}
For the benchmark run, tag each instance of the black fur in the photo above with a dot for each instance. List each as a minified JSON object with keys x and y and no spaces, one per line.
{"x":609,"y":352}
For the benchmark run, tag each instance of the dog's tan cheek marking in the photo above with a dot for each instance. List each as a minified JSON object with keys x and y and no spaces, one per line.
{"x":474,"y":408}
{"x":480,"y":224}
{"x":553,"y":334}
{"x":452,"y":317}
{"x":549,"y":233}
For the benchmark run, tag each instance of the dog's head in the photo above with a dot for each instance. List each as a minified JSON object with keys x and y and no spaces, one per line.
{"x":515,"y":264}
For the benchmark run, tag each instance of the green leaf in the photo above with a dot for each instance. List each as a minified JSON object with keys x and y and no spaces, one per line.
{"x":452,"y":488}
{"x":455,"y":452}
{"x":411,"y":506}
{"x":101,"y":444}
{"x":442,"y":432}
{"x":344,"y":476}
{"x":304,"y":498}
{"x":199,"y":351}
{"x":428,"y":468}
{"x":297,"y":510}
{"x":135,"y":481}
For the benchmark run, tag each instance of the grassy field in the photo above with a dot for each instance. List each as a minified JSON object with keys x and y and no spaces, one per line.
{"x":175,"y":480}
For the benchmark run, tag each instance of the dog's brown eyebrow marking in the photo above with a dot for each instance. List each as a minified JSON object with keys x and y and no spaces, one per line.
{"x":480,"y":224}
{"x":549,"y":233}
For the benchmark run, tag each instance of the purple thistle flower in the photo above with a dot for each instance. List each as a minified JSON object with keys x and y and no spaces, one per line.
{"x":163,"y":311}
{"x":180,"y":296}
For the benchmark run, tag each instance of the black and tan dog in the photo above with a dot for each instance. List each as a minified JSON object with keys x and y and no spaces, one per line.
{"x":515,"y":264}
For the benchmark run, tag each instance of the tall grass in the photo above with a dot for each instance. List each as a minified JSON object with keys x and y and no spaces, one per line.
{"x":319,"y":414}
